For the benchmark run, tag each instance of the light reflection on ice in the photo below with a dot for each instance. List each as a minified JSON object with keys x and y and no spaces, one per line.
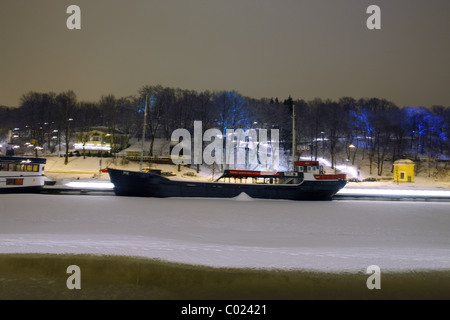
{"x":90,"y":185}
{"x":394,"y":192}
{"x":344,"y":191}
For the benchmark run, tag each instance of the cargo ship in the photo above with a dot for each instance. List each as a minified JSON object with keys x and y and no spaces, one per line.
{"x":308,"y":181}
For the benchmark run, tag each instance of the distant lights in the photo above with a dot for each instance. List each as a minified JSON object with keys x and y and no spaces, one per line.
{"x":91,"y":146}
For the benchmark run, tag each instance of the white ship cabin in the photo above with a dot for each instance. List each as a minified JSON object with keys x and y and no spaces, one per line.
{"x":311,"y":167}
{"x":21,"y":173}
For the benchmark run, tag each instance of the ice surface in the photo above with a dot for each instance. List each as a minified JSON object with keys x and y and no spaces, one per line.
{"x":241,"y":232}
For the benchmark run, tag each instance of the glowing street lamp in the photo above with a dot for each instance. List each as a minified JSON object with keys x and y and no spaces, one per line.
{"x":323,"y":144}
{"x":352,"y":149}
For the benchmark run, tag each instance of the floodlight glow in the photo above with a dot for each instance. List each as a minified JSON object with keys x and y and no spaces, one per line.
{"x":90,"y":185}
{"x":348,"y":170}
{"x":394,"y":192}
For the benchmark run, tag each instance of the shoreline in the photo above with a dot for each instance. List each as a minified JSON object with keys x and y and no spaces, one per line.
{"x":106,"y":277}
{"x":89,"y":170}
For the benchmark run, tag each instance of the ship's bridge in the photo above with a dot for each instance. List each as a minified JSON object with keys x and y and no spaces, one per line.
{"x":308,"y":167}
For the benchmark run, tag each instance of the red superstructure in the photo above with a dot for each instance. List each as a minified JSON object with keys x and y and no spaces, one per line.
{"x":247,"y":173}
{"x":330,"y":176}
{"x":306,"y":163}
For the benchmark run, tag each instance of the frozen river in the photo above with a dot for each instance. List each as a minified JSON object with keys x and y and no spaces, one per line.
{"x":327,"y":236}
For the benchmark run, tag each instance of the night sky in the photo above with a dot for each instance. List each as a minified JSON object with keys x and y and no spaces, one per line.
{"x":260,"y":48}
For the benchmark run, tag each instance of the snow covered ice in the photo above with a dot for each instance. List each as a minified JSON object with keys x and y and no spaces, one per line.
{"x":241,"y":232}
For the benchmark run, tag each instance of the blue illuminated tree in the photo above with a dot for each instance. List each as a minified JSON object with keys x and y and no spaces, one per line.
{"x":438,"y":130}
{"x":232,"y":111}
{"x":362,"y":124}
{"x":150,"y":95}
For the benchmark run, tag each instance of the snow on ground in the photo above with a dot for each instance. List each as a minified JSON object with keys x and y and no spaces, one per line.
{"x":79,"y":168}
{"x":241,"y":232}
{"x":87,"y":169}
{"x":82,"y":172}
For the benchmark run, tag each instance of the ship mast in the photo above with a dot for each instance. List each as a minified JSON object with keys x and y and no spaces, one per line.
{"x":143,"y":135}
{"x":293,"y":137}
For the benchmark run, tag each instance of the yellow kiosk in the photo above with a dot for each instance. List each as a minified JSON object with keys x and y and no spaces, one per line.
{"x":404,"y":170}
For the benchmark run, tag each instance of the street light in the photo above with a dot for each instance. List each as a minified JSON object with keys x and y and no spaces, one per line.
{"x":323,"y":144}
{"x":66,"y":157}
{"x":352,"y":148}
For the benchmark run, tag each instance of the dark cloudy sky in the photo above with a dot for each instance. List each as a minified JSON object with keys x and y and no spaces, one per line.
{"x":260,"y":48}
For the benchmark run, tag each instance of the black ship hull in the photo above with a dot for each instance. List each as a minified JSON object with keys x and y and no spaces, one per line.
{"x":142,"y":184}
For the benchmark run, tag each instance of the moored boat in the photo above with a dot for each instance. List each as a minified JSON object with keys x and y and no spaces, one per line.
{"x":308,"y":181}
{"x":21,"y":174}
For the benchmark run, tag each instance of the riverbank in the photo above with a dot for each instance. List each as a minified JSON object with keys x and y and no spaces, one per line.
{"x":89,"y":168}
{"x":44,"y":277}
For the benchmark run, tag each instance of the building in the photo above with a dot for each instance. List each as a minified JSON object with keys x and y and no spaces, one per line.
{"x":404,"y":170}
{"x":100,"y":139}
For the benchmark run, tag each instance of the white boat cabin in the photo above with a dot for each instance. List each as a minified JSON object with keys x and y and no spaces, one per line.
{"x":21,"y":173}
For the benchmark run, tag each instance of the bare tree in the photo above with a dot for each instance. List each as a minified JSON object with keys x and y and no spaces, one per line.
{"x":86,"y":113}
{"x":67,"y":102}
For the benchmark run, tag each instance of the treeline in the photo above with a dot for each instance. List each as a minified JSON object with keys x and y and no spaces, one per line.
{"x":374,"y":129}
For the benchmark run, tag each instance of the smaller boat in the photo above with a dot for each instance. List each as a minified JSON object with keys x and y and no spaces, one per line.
{"x":21,"y":174}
